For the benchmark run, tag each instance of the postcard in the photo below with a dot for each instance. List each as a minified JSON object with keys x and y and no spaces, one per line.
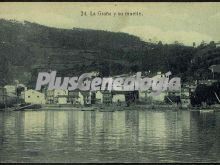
{"x":109,"y":82}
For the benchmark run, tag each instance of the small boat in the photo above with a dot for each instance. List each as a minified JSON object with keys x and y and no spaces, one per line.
{"x":206,"y":110}
{"x":23,"y":107}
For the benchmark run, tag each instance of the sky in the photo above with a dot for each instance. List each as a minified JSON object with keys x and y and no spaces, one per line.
{"x":185,"y":22}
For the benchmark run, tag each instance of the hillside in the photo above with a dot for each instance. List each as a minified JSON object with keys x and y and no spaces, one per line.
{"x":26,"y":48}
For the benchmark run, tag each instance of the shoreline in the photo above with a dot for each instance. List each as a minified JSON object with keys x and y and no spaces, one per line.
{"x":112,"y":108}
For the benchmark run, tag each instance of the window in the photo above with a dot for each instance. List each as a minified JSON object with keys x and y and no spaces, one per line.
{"x":37,"y":96}
{"x":28,"y":96}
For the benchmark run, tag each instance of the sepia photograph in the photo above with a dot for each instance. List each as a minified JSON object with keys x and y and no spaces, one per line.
{"x":109,"y":82}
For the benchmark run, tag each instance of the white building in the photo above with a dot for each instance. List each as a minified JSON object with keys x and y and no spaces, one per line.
{"x":85,"y":97}
{"x":10,"y":89}
{"x":159,"y":97}
{"x":34,"y":97}
{"x":146,"y":96}
{"x":59,"y":92}
{"x":142,"y":95}
{"x":118,"y":98}
{"x":62,"y":99}
{"x":58,"y":96}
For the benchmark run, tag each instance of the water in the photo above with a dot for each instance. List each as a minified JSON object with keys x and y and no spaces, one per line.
{"x":122,"y":136}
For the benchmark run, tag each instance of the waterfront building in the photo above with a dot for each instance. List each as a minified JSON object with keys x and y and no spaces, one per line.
{"x":99,"y":97}
{"x":68,"y":97}
{"x":10,"y":89}
{"x":185,"y":90}
{"x":73,"y":97}
{"x":142,"y":95}
{"x":160,"y":97}
{"x":57,"y":96}
{"x":185,"y":102}
{"x":107,"y":97}
{"x":60,"y":96}
{"x":116,"y":98}
{"x":87,"y":97}
{"x":34,"y":97}
{"x":60,"y":92}
{"x":185,"y":96}
{"x":50,"y":96}
{"x":147,"y":97}
{"x":16,"y":90}
{"x":62,"y":99}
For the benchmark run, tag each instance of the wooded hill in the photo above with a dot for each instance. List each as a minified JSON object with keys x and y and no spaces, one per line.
{"x":26,"y":48}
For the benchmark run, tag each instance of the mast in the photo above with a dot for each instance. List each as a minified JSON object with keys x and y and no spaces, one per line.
{"x":217,"y":97}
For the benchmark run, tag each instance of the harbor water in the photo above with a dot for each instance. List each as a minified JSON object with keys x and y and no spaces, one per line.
{"x":121,"y":136}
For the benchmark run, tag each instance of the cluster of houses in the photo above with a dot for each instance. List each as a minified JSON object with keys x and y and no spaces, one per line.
{"x":76,"y":97}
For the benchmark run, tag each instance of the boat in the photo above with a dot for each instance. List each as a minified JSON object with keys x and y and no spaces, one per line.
{"x":206,"y":110}
{"x":23,"y":107}
{"x":203,"y":109}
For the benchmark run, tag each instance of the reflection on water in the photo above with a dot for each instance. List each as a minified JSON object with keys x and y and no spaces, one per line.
{"x":123,"y":136}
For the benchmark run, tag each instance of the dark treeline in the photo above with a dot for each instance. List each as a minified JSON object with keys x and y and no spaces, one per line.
{"x":207,"y":94}
{"x":26,"y":47}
